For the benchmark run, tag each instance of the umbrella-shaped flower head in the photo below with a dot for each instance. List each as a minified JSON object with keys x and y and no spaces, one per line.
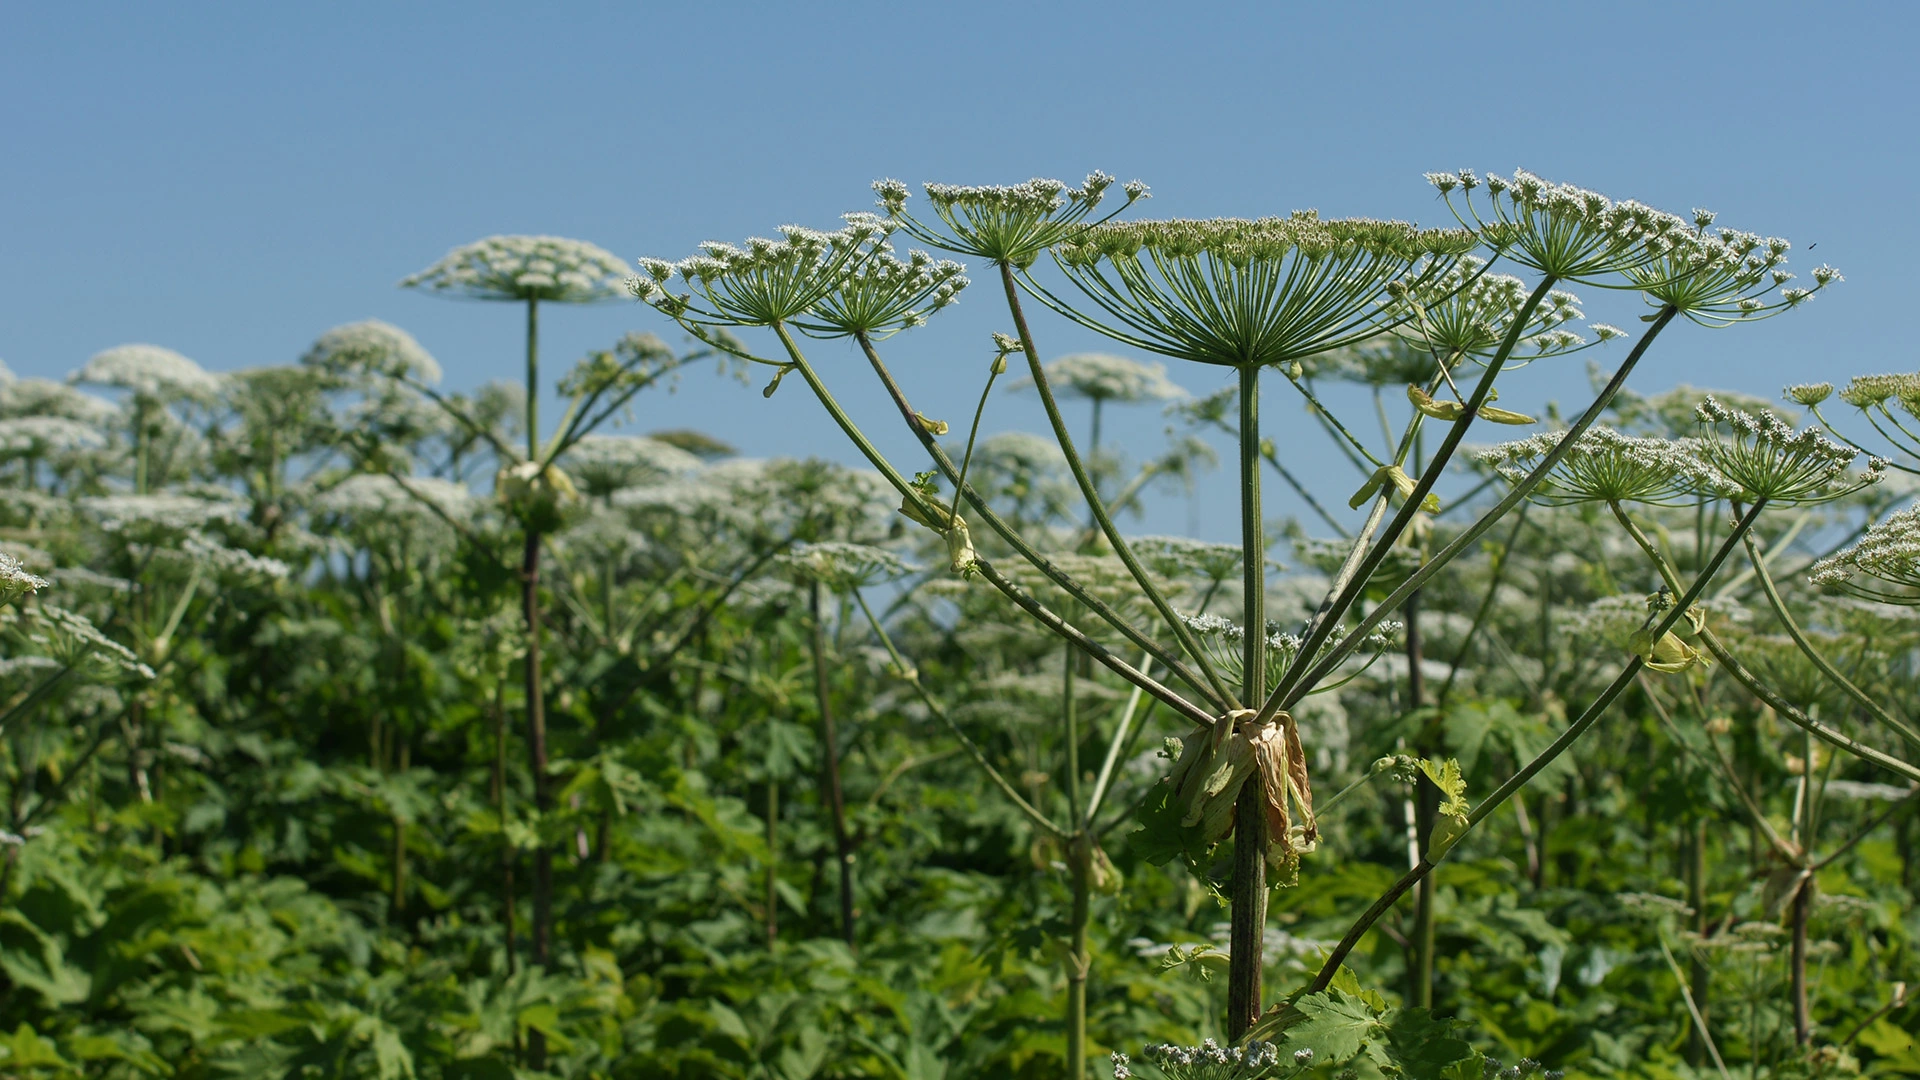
{"x":1765,"y":458}
{"x":1105,"y":377}
{"x":372,"y":347}
{"x":546,"y":268}
{"x":764,"y":281}
{"x":1243,"y":293}
{"x":44,"y":397}
{"x":1602,"y":465}
{"x":150,"y":371}
{"x":1564,"y":231}
{"x":1466,"y":313}
{"x":1003,"y":223}
{"x":39,"y":436}
{"x":15,"y":581}
{"x":604,"y":464}
{"x":1888,"y":555}
{"x":844,"y":567}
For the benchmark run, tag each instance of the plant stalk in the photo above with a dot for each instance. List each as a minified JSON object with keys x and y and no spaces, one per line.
{"x":1247,"y":930}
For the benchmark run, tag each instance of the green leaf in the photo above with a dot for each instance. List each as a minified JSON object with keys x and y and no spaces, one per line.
{"x":1336,"y":1026}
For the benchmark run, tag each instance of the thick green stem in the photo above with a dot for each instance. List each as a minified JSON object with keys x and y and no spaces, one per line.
{"x":1247,"y":930}
{"x":1079,"y":959}
{"x":1426,"y":805}
{"x":1069,"y":658}
{"x":537,"y":763}
{"x":533,"y":379}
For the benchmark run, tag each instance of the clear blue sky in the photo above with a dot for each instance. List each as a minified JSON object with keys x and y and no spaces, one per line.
{"x":232,"y":180}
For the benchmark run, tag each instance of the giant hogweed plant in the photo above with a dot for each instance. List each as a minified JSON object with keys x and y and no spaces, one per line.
{"x":533,"y":270}
{"x":1250,"y":296}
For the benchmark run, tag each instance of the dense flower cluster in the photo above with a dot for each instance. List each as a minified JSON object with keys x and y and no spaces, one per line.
{"x":150,"y":371}
{"x":1567,"y":232}
{"x":15,"y":581}
{"x":765,"y":281}
{"x":550,"y":268}
{"x":604,"y":464}
{"x":1764,"y":457}
{"x":1237,"y":292}
{"x":1868,"y":391}
{"x":844,"y":566}
{"x":1004,"y":224}
{"x":1467,"y":313}
{"x":1889,"y":553}
{"x":1602,"y":465}
{"x":1208,"y":1061}
{"x":1105,"y":377}
{"x":372,"y":347}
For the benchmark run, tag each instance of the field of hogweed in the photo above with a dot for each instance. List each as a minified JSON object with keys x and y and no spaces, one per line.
{"x":355,"y":725}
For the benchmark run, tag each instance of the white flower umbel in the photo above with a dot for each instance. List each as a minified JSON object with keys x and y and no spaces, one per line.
{"x":844,"y":567}
{"x":765,"y":281}
{"x":1467,"y":312}
{"x":1003,"y":224}
{"x":551,"y":268}
{"x":1883,"y":566}
{"x":148,"y":515}
{"x":1870,"y":391}
{"x":1603,"y":465}
{"x":44,"y":397}
{"x":1105,"y":377}
{"x":150,"y":371}
{"x":885,"y":295}
{"x":376,"y":495}
{"x":1565,"y":232}
{"x":1210,"y":1060}
{"x":603,"y":464}
{"x":1767,"y":459}
{"x":15,"y":581}
{"x":1242,"y":293}
{"x":1727,"y":277}
{"x":372,"y":347}
{"x":1182,"y":556}
{"x":40,"y":436}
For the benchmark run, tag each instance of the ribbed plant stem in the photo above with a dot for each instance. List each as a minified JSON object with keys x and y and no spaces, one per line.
{"x":533,"y":380}
{"x":1079,"y":959}
{"x":537,"y":760}
{"x":500,"y":805}
{"x":1247,"y":932}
